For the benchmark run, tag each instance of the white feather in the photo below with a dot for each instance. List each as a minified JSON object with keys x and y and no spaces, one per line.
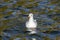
{"x":31,"y":24}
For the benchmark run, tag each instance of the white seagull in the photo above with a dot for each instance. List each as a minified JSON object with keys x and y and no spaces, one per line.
{"x":31,"y":24}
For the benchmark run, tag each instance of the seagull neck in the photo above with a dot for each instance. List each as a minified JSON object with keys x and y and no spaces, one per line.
{"x":31,"y":19}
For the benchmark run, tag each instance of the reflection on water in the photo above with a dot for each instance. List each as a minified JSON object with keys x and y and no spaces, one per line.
{"x":13,"y":15}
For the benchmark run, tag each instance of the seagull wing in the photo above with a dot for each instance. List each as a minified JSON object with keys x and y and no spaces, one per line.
{"x":26,"y":24}
{"x":35,"y":22}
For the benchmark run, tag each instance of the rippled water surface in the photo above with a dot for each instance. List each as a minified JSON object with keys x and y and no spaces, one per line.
{"x":13,"y":16}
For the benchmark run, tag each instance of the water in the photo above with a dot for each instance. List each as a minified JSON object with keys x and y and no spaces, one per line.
{"x":13,"y":16}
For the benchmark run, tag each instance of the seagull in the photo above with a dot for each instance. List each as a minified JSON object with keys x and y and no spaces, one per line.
{"x":31,"y":24}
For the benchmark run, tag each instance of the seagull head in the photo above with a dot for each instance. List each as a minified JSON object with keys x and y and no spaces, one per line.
{"x":30,"y":15}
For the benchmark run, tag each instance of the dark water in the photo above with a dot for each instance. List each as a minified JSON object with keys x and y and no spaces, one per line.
{"x":13,"y":15}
